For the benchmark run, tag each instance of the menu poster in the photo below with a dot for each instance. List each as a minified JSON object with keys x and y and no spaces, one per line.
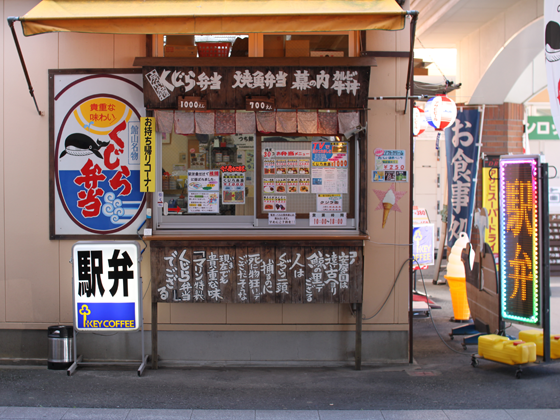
{"x":292,"y":167}
{"x":204,"y":180}
{"x":233,"y":188}
{"x":390,"y":176}
{"x":330,"y":154}
{"x":303,"y":166}
{"x":390,"y":160}
{"x":274,"y":203}
{"x":280,"y":185}
{"x":329,"y":180}
{"x":281,"y":218}
{"x":281,"y":165}
{"x":304,"y":185}
{"x":293,"y":153}
{"x":293,"y":184}
{"x":269,"y":167}
{"x":268,"y":186}
{"x":329,"y":202}
{"x":204,"y":202}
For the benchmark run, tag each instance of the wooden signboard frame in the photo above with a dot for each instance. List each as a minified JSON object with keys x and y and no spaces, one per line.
{"x":202,"y":280}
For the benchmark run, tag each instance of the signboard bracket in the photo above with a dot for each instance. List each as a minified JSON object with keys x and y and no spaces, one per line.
{"x":78,"y":359}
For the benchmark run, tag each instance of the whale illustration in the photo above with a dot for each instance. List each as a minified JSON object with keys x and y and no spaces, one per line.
{"x":81,"y":145}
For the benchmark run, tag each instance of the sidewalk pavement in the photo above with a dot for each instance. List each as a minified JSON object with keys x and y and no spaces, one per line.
{"x":440,"y":384}
{"x":147,"y":414}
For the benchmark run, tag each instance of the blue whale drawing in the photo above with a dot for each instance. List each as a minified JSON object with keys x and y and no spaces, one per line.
{"x":81,"y":145}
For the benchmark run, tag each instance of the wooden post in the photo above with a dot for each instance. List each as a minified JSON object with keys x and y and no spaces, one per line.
{"x":358,"y":350}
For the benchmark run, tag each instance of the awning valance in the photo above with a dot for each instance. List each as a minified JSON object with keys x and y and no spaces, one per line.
{"x":211,"y":16}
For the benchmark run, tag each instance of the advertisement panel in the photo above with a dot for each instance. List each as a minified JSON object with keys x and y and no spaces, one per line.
{"x":423,"y":244}
{"x":107,"y":286}
{"x":462,"y":165}
{"x":95,"y":152}
{"x":520,"y":231}
{"x":490,"y":202}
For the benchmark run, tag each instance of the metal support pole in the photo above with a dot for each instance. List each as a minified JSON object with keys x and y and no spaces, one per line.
{"x":154,"y":336}
{"x":358,"y":350}
{"x":545,"y":264}
{"x":409,"y":78}
{"x":11,"y":21}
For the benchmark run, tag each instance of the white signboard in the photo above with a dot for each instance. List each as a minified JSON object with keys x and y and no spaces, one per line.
{"x":204,"y":181}
{"x":107,"y":286}
{"x":423,"y":244}
{"x":327,"y":219}
{"x":204,"y":202}
{"x":329,"y":180}
{"x":281,"y":218}
{"x":329,"y":202}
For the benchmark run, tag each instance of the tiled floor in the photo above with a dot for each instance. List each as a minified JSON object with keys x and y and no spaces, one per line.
{"x":54,"y":413}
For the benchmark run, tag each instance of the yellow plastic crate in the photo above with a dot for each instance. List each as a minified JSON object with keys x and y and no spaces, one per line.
{"x":502,"y":349}
{"x":536,"y":336}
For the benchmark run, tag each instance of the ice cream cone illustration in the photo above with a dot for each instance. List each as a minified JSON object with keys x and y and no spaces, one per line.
{"x":388,"y":203}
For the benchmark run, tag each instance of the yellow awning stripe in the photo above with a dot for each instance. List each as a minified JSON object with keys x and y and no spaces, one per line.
{"x":211,"y":16}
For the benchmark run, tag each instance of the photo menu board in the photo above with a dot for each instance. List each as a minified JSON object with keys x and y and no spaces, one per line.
{"x":304,"y":177}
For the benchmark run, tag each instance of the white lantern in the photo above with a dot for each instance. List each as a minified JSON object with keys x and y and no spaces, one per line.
{"x":419,"y":122}
{"x":440,"y":112}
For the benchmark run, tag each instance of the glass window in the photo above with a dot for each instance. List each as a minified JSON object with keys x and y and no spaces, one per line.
{"x":241,"y":181}
{"x":207,"y":175}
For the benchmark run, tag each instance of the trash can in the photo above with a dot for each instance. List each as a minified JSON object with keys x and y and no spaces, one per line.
{"x":61,"y":347}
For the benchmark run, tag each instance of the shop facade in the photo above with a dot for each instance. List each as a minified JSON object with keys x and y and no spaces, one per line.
{"x":271,"y":229}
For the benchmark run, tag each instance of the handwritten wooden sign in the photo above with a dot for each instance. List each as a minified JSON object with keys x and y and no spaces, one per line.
{"x":229,"y":87}
{"x":259,"y":103}
{"x":190,"y":103}
{"x":256,"y":273}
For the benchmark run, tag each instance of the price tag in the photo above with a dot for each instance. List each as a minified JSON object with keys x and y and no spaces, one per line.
{"x":259,"y":103}
{"x":190,"y":103}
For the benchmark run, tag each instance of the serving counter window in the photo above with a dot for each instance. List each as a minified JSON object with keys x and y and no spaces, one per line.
{"x":254,"y":181}
{"x":259,"y":143}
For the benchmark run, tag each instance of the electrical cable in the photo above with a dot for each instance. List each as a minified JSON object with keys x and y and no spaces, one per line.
{"x":147,"y":288}
{"x":433,"y":61}
{"x":429,"y":308}
{"x":141,"y":237}
{"x":434,"y":324}
{"x":390,"y":292}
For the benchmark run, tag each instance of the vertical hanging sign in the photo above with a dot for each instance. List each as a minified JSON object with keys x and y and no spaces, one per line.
{"x":462,"y":165}
{"x":147,"y":154}
{"x":520,"y":232}
{"x":490,"y":201}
